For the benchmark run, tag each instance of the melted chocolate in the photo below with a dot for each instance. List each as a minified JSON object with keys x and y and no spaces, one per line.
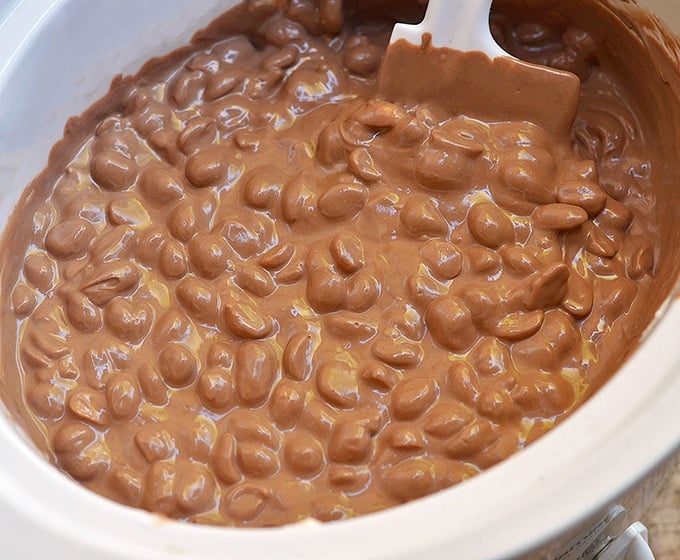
{"x":258,"y":293}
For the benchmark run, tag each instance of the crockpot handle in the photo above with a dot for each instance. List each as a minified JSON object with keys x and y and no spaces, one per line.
{"x":631,"y":545}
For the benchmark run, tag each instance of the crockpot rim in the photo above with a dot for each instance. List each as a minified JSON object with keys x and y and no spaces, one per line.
{"x":515,"y":541}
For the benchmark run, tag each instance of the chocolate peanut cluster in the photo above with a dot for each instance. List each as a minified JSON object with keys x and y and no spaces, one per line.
{"x":258,"y":293}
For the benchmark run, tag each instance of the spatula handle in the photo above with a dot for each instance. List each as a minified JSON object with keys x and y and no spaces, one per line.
{"x":455,"y":24}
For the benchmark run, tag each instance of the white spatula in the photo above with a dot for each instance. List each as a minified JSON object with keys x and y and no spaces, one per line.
{"x":423,"y":63}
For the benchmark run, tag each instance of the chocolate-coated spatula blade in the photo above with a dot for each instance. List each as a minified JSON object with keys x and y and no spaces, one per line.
{"x":484,"y":83}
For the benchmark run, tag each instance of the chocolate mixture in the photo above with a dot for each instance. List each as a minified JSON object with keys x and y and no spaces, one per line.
{"x":258,"y":293}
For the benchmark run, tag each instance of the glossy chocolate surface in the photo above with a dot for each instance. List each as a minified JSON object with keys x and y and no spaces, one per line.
{"x":257,"y":292}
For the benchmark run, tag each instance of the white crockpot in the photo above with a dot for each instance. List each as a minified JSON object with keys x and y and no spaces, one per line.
{"x":56,"y":58}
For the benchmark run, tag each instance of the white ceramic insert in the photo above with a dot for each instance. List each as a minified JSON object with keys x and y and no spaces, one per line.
{"x":56,"y":58}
